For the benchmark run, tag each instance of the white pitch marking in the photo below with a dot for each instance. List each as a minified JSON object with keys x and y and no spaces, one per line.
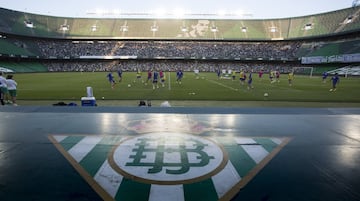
{"x":108,"y":178}
{"x":59,"y":138}
{"x":225,"y":179}
{"x":277,"y":140}
{"x":256,"y":152}
{"x":245,"y":140}
{"x":81,"y":149}
{"x":166,"y":193}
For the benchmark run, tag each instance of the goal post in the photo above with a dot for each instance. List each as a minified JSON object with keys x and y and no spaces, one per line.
{"x":304,"y":70}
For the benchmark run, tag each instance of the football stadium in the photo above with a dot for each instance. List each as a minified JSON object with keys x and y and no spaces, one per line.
{"x":159,"y":109}
{"x":83,"y":51}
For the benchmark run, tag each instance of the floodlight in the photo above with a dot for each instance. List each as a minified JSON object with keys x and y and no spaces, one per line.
{"x":124,"y":28}
{"x":214,"y":29}
{"x":29,"y":24}
{"x":308,"y":26}
{"x":93,"y":28}
{"x":154,"y":28}
{"x":349,"y":19}
{"x":184,"y":29}
{"x":64,"y":27}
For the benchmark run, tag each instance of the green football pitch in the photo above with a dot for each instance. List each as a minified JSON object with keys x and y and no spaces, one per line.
{"x":71,"y":86}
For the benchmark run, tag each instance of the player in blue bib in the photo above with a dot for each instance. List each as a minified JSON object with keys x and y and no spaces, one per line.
{"x":179,"y":76}
{"x":155,"y":79}
{"x":335,"y":81}
{"x":111,"y":79}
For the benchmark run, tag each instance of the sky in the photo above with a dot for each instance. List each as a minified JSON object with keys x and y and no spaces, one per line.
{"x":251,"y":9}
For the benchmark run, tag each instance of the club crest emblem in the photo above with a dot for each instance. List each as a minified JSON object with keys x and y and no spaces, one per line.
{"x":168,"y":158}
{"x":145,"y":163}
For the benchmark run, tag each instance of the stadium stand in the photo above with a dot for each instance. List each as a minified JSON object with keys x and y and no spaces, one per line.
{"x":330,"y":48}
{"x":24,"y":67}
{"x":51,"y":43}
{"x":15,"y":47}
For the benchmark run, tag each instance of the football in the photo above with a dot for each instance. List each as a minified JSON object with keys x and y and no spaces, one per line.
{"x":129,"y":85}
{"x":266,"y":94}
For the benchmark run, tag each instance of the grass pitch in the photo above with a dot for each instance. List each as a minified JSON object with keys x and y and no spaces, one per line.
{"x":71,"y":86}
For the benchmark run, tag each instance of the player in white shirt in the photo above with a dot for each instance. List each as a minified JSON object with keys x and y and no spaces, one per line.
{"x":11,"y":86}
{"x":3,"y":88}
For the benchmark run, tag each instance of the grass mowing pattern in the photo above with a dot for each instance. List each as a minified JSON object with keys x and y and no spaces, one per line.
{"x":72,"y":86}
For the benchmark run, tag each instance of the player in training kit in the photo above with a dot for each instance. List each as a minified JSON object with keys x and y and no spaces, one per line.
{"x":111,"y":79}
{"x":324,"y":76}
{"x":277,"y":76}
{"x":162,"y":78}
{"x":196,"y":72}
{"x":1,"y":92}
{"x":272,"y":76}
{"x":119,"y":72}
{"x":233,"y":75}
{"x":11,"y":86}
{"x":3,"y":89}
{"x":335,"y":81}
{"x":149,"y":76}
{"x":250,"y":81}
{"x":242,"y":77}
{"x":139,"y":76}
{"x":155,"y":79}
{"x":218,"y":73}
{"x":290,"y":78}
{"x":179,"y":76}
{"x":261,"y":73}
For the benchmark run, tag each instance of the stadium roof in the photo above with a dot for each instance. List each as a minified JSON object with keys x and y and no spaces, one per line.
{"x":338,"y":22}
{"x":225,"y":9}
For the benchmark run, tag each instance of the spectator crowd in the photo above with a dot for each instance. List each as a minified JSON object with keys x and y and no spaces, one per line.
{"x":167,"y":65}
{"x":172,"y":49}
{"x":68,"y":55}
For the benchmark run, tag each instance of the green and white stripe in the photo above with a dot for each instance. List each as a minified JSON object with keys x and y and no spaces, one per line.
{"x":108,"y":179}
{"x":247,"y":155}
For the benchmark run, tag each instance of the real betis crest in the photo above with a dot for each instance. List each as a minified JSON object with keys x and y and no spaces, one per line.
{"x":163,"y":166}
